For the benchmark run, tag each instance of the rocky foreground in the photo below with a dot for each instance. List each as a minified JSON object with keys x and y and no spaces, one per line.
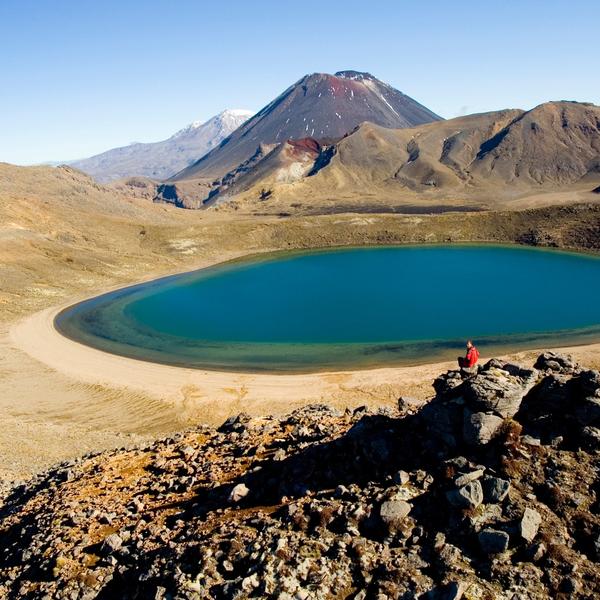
{"x":490,"y":491}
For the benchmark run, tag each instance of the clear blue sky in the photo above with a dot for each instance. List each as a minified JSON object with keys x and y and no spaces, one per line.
{"x":82,"y":76}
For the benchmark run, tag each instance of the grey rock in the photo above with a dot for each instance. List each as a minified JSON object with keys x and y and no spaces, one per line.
{"x":558,"y":363}
{"x":479,"y":428}
{"x":530,"y":441}
{"x":460,"y":463}
{"x":468,"y":496}
{"x":587,"y":411}
{"x":591,"y":437}
{"x":495,"y":489}
{"x":597,"y":547}
{"x":239,"y":492}
{"x":447,"y":382}
{"x":401,"y":477}
{"x":469,"y":371}
{"x":111,"y":544}
{"x":530,"y":524}
{"x":444,"y":421}
{"x":393,"y":512}
{"x":236,"y":423}
{"x":408,"y":404}
{"x":589,"y":382}
{"x":493,"y":541}
{"x":499,"y":390}
{"x":486,"y":515}
{"x":468,"y":477}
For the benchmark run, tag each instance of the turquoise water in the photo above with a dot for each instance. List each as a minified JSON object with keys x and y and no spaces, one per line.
{"x":348,"y":308}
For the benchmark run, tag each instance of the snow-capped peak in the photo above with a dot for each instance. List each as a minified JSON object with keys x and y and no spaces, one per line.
{"x":237,"y":112}
{"x":231,"y":117}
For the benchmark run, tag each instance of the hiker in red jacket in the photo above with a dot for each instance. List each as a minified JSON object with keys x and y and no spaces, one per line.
{"x":470,"y":359}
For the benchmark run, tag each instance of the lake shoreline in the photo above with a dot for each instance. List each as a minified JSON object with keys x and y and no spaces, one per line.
{"x":85,"y":322}
{"x":55,"y":414}
{"x":37,"y":336}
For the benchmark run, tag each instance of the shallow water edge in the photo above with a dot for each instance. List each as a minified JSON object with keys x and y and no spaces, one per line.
{"x":265,"y":357}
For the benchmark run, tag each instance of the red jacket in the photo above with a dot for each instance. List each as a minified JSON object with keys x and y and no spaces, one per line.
{"x":472,"y":357}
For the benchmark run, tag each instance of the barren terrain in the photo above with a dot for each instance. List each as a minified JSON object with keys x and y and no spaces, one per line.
{"x":63,"y":237}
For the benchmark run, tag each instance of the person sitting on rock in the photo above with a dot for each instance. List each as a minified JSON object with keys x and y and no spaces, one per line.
{"x":469,"y":361}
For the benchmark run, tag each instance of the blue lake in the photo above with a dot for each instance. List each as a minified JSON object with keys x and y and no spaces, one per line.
{"x":348,"y":308}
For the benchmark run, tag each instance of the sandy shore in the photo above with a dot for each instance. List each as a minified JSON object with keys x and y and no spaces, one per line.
{"x":68,"y":398}
{"x":61,"y":399}
{"x":209,"y":396}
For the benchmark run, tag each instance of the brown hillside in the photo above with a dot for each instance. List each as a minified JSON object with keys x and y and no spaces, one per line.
{"x":489,"y":160}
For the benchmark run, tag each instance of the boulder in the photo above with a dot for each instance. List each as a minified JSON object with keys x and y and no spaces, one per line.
{"x":499,"y":390}
{"x":597,"y":547}
{"x":447,"y":382}
{"x":493,"y":541}
{"x":529,"y":524}
{"x":444,"y":421}
{"x":238,"y":492}
{"x":111,"y":544}
{"x":590,"y":437}
{"x":587,"y":411}
{"x":466,"y":372}
{"x":468,"y":496}
{"x":551,"y":394}
{"x":479,"y":428}
{"x":408,"y":404}
{"x":393,"y":512}
{"x":557,"y":363}
{"x":235,"y":423}
{"x":589,"y":383}
{"x":495,"y":489}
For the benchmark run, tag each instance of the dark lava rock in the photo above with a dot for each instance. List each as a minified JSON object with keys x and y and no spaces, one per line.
{"x":479,"y":428}
{"x":495,"y":489}
{"x":468,"y":496}
{"x":557,"y":363}
{"x":493,"y":541}
{"x":375,"y":504}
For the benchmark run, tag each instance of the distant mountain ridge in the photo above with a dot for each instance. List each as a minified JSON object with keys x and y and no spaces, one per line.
{"x":160,"y":160}
{"x":321,"y":106}
{"x":477,"y":161}
{"x":556,"y":143}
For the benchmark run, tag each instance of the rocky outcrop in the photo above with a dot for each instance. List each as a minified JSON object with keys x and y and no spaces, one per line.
{"x":416,"y":503}
{"x":472,"y":406}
